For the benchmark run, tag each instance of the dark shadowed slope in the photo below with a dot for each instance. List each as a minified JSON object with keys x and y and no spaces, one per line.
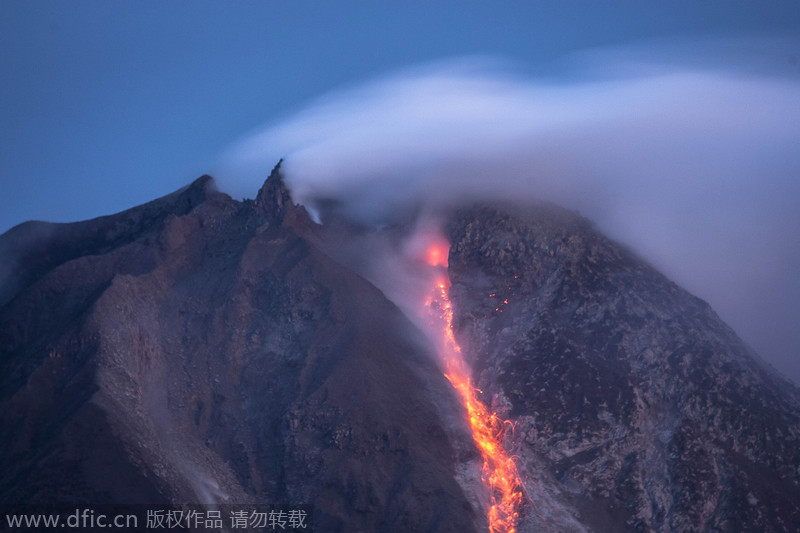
{"x":636,"y":408}
{"x":199,"y":349}
{"x":30,"y":250}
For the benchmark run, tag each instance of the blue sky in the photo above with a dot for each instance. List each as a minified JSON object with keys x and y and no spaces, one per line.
{"x":105,"y":105}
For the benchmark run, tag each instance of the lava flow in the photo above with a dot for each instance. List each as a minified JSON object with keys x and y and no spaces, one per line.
{"x":499,"y":472}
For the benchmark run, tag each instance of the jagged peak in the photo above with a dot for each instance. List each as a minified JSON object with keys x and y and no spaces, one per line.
{"x":204,"y":182}
{"x":274,"y":200}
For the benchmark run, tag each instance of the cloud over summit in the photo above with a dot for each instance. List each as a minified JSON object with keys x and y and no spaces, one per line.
{"x":696,"y":168}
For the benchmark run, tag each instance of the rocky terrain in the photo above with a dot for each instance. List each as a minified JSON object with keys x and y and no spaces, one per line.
{"x":202,"y":349}
{"x":199,"y":349}
{"x":635,"y":407}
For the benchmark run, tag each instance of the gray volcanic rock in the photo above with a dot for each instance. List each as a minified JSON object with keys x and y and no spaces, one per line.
{"x":636,"y":408}
{"x":199,"y":349}
{"x":30,"y":250}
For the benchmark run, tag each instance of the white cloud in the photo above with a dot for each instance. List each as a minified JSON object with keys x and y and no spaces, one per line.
{"x":696,"y":168}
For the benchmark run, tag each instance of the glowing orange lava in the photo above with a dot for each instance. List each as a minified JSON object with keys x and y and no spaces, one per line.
{"x":436,"y":253}
{"x":499,"y":471}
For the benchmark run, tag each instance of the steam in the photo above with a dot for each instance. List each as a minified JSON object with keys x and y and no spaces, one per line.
{"x":696,"y":168}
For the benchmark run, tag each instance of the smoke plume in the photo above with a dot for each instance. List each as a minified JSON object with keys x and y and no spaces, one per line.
{"x":694,"y":166}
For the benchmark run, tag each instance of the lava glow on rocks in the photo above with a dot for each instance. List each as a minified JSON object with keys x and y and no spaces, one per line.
{"x":436,"y":253}
{"x":499,"y":472}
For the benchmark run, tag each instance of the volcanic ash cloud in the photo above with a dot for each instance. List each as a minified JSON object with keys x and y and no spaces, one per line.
{"x":694,"y":167}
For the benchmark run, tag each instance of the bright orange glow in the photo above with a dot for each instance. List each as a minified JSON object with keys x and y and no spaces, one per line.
{"x":499,"y":471}
{"x":436,"y":253}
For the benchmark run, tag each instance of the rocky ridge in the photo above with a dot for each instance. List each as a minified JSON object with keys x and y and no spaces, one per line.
{"x":208,"y":350}
{"x":635,"y":405}
{"x":212,"y":355}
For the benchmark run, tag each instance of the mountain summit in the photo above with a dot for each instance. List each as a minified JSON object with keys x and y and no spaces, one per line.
{"x":635,"y":406}
{"x":198,"y":349}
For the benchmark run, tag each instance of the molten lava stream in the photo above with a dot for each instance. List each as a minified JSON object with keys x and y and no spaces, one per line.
{"x":499,"y":470}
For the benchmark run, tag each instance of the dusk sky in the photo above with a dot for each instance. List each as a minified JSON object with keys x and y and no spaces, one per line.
{"x":672,"y":124}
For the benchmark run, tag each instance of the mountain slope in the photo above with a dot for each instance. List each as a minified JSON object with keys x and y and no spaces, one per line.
{"x":635,"y":406}
{"x":205,"y":350}
{"x":219,"y":356}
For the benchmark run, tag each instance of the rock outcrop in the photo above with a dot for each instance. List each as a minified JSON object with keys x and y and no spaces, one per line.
{"x":202,"y":350}
{"x":205,"y":350}
{"x":636,"y":408}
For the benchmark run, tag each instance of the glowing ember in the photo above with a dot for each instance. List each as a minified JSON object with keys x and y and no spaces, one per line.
{"x":436,"y":253}
{"x":499,"y":470}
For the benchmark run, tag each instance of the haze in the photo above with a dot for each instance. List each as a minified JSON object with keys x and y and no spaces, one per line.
{"x":672,"y":124}
{"x":694,"y":168}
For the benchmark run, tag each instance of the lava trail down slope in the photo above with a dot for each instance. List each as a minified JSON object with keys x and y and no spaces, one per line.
{"x":207,"y":350}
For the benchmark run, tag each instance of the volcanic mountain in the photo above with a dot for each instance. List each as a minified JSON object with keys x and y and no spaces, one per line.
{"x":199,"y":349}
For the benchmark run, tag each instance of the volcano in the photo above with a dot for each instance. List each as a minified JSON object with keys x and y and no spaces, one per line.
{"x":203,"y":350}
